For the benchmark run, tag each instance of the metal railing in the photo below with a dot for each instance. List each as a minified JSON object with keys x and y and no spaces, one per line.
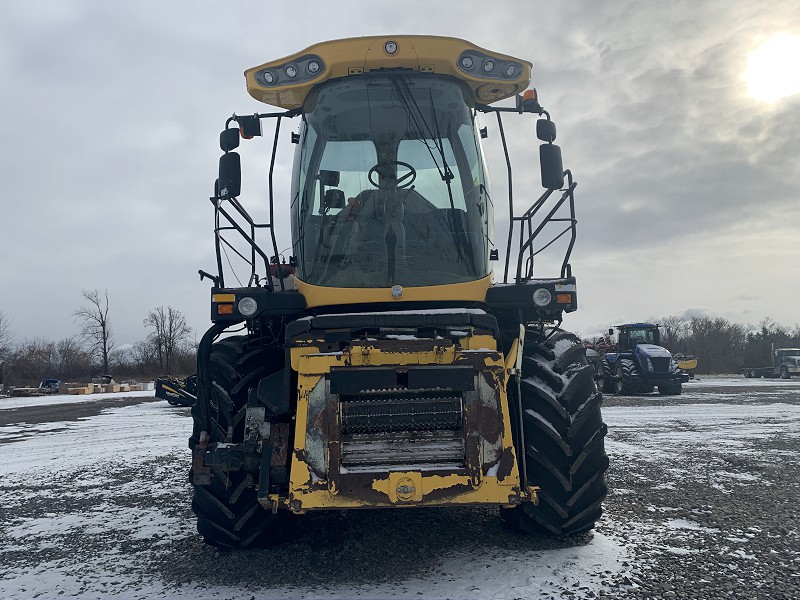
{"x":526,"y":251}
{"x":230,"y":216}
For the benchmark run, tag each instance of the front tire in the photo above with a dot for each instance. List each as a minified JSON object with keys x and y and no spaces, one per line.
{"x":228,"y":512}
{"x":608,"y":377}
{"x":785,"y":373}
{"x":564,"y":438}
{"x":628,"y":380}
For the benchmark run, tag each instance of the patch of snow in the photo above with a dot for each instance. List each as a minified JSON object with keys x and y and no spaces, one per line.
{"x":686,"y":524}
{"x":27,"y":401}
{"x":562,"y":346}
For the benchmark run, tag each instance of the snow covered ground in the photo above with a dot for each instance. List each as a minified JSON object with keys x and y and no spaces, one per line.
{"x":701,"y":502}
{"x":58,"y":399}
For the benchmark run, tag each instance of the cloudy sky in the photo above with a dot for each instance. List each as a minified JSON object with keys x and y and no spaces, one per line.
{"x":680,"y":121}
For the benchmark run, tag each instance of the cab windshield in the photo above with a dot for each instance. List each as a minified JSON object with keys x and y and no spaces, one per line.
{"x":645,"y":335}
{"x":389,"y":184}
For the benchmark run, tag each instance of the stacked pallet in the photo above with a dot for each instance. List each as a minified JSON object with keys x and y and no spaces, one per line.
{"x":80,"y":391}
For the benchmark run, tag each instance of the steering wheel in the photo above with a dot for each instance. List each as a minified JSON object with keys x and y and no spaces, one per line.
{"x":402,"y":182}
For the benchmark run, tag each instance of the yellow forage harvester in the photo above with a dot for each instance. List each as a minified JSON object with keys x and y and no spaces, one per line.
{"x":379,"y":362}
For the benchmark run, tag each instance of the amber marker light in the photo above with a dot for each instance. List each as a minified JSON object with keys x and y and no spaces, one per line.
{"x":225,"y":309}
{"x":563,"y":298}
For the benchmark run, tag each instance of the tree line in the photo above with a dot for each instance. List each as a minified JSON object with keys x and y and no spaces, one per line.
{"x":168,"y":348}
{"x":722,"y":346}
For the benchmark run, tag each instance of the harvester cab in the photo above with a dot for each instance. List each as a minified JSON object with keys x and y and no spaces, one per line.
{"x":637,"y":363}
{"x":380,"y":365}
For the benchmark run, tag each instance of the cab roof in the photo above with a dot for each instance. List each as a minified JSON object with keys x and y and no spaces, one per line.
{"x":286,"y":82}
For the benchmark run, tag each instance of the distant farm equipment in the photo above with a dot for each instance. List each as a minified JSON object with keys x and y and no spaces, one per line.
{"x":785,"y":363}
{"x":177,"y":392}
{"x":50,"y":386}
{"x":636,"y":363}
{"x":687,"y":364}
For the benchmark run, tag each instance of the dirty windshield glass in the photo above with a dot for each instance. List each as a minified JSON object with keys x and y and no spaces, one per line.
{"x":643,"y":336}
{"x":389,"y":185}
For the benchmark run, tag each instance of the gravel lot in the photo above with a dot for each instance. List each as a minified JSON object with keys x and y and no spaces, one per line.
{"x":94,"y":502}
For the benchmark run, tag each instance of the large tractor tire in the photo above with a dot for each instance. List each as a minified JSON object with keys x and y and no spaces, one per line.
{"x":228,"y":512}
{"x":628,"y":380}
{"x":603,"y":374}
{"x":608,"y":377}
{"x":670,"y":388}
{"x":564,"y":438}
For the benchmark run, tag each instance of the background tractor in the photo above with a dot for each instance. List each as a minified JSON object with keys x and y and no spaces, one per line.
{"x":380,"y":365}
{"x":636,"y":363}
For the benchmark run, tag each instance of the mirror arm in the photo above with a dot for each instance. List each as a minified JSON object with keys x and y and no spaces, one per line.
{"x":205,"y":275}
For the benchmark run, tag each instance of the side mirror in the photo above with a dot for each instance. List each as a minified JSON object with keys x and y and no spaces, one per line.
{"x":611,"y":331}
{"x":552,"y":166}
{"x":546,"y":130}
{"x":328,"y":178}
{"x":334,"y":198}
{"x":249,"y":126}
{"x":230,"y":175}
{"x":229,"y":140}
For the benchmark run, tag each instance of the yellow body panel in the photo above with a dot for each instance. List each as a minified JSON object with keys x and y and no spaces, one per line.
{"x":421,"y":53}
{"x":687,"y":364}
{"x":470,"y":291}
{"x":401,"y":487}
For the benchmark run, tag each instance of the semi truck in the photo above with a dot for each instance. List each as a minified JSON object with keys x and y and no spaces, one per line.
{"x":785,"y":364}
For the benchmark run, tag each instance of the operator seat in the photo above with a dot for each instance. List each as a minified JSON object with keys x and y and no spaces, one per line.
{"x":380,"y":214}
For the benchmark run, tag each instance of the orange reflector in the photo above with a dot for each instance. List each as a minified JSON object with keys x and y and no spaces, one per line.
{"x":223,"y":297}
{"x":225,"y":309}
{"x":563,"y":298}
{"x":529,"y":95}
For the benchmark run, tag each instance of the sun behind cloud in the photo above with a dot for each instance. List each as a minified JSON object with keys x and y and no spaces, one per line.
{"x":773,"y":69}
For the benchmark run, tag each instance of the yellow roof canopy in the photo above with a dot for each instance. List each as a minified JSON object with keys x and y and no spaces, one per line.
{"x":286,"y":82}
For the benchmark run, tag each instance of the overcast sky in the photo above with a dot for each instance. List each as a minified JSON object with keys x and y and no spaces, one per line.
{"x":688,"y":172}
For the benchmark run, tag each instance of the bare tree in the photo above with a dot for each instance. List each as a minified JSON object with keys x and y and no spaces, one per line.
{"x":718,"y":344}
{"x":170,"y":331}
{"x":30,"y":362}
{"x":95,"y":328}
{"x":6,"y":334}
{"x":71,"y":359}
{"x":673,"y":329}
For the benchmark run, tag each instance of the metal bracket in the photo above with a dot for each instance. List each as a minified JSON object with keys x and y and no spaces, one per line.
{"x":256,"y":427}
{"x":201,"y":474}
{"x":523,"y":467}
{"x":230,"y":456}
{"x":532,"y":494}
{"x":520,"y":350}
{"x":263,"y":470}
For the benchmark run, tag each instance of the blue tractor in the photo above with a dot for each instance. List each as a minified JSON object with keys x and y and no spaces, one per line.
{"x":637,"y":363}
